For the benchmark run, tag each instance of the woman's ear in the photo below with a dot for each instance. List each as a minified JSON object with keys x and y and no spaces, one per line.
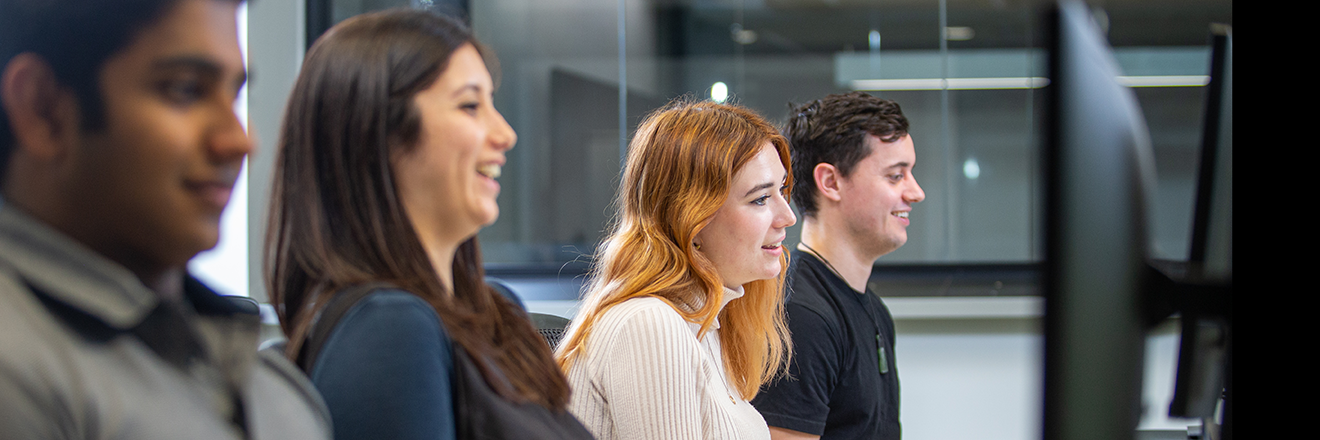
{"x":43,"y":114}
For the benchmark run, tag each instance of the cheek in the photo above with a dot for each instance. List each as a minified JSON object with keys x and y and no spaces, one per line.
{"x":749,"y":229}
{"x":132,"y":162}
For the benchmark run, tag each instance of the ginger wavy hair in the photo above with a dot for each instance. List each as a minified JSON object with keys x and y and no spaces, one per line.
{"x":680,"y":165}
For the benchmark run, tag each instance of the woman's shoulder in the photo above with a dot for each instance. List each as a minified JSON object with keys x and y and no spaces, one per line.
{"x":648,"y":314}
{"x":396,"y":312}
{"x":392,"y":300}
{"x":636,"y":334}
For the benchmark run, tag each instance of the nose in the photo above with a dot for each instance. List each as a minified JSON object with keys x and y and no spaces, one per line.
{"x":228,"y":140}
{"x":913,"y":193}
{"x":502,"y":135}
{"x":784,"y":216}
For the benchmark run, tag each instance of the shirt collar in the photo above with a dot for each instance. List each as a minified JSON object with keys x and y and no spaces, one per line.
{"x":70,"y":273}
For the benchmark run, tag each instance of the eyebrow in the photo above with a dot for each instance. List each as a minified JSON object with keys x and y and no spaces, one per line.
{"x":760,"y":187}
{"x":466,"y":87}
{"x":899,"y":165}
{"x":203,"y":65}
{"x":763,"y":186}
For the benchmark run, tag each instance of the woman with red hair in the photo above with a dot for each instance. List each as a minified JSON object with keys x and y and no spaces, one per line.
{"x":683,"y":320}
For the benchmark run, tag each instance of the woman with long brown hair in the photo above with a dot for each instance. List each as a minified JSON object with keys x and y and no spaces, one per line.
{"x":683,"y":320}
{"x":388,"y":157}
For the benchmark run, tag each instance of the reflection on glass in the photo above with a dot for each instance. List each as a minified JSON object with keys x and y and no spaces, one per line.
{"x":966,"y":76}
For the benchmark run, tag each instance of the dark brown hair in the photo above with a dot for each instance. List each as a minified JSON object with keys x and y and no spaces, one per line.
{"x":336,"y":217}
{"x":833,"y":130}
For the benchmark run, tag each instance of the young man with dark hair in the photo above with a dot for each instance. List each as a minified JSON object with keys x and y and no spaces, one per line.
{"x":853,"y":184}
{"x":119,"y":148}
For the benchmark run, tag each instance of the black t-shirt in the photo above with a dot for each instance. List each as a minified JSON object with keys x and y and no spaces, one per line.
{"x":836,"y":387}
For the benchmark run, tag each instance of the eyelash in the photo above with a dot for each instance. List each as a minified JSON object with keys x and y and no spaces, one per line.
{"x":183,"y":91}
{"x":760,"y":201}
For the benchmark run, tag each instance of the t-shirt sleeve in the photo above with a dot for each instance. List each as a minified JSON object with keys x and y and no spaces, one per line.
{"x":650,"y":378}
{"x":385,"y":371}
{"x":800,"y":401}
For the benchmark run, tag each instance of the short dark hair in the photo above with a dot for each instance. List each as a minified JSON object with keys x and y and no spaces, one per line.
{"x":75,"y":37}
{"x":833,"y":130}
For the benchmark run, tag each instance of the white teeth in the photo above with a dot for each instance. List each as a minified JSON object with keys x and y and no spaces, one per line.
{"x":903,"y":214}
{"x":490,"y":170}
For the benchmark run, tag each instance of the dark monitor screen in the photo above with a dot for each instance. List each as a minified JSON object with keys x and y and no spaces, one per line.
{"x":1212,"y":228}
{"x":1099,"y":177}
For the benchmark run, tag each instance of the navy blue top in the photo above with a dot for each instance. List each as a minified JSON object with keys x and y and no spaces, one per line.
{"x":386,"y":369}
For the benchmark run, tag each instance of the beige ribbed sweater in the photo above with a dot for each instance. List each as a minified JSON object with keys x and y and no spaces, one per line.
{"x":644,"y":375}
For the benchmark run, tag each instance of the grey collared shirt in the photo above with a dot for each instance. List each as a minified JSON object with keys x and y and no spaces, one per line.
{"x":88,"y":352}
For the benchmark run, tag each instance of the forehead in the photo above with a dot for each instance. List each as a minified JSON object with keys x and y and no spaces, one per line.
{"x":887,"y":154}
{"x":465,"y":68}
{"x":204,"y":30}
{"x":465,"y":73}
{"x":766,"y":166}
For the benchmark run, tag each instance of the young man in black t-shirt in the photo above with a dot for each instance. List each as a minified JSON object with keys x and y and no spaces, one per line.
{"x":853,"y":184}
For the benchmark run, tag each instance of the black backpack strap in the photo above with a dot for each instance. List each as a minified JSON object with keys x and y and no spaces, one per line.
{"x":325,"y":322}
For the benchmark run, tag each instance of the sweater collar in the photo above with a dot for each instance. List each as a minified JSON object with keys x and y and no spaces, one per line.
{"x":729,"y":295}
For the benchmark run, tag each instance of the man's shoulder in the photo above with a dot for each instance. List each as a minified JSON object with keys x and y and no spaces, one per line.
{"x":59,"y":370}
{"x":810,"y":289}
{"x":287,"y":405}
{"x":26,"y":326}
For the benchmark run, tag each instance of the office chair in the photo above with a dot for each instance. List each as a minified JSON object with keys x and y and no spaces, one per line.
{"x":551,"y":327}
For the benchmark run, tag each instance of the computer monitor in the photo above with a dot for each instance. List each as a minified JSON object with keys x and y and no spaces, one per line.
{"x":1102,"y":292}
{"x":1205,"y":288}
{"x":1099,"y":179}
{"x":1212,"y":219}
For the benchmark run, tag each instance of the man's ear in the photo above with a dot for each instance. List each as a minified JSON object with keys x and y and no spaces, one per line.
{"x":43,"y":114}
{"x":827,"y":181}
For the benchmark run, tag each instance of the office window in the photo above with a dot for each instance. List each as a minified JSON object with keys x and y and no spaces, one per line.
{"x":578,"y":76}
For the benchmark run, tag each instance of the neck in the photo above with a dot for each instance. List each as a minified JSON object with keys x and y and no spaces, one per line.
{"x":442,"y":261}
{"x":169,"y":284}
{"x":440,"y":246}
{"x":832,"y":245}
{"x":165,"y":280}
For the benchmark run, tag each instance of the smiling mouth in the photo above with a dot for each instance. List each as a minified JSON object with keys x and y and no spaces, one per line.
{"x":901,"y":214}
{"x":215,"y":194}
{"x":772,"y":246}
{"x":490,"y":170}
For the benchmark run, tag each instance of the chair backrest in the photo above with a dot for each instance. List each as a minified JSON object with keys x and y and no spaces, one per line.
{"x":551,"y":327}
{"x":275,"y":346}
{"x":248,"y":305}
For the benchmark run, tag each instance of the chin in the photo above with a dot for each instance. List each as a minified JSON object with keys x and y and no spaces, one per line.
{"x":490,"y":219}
{"x":486,"y":215}
{"x":492,"y":210}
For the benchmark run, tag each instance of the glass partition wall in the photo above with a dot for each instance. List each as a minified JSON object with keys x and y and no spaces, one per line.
{"x":577,"y":76}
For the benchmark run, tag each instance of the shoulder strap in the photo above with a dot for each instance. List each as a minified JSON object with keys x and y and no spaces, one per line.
{"x":325,"y":322}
